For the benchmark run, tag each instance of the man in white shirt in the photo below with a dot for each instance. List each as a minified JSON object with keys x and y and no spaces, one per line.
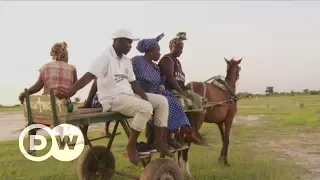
{"x":118,"y":91}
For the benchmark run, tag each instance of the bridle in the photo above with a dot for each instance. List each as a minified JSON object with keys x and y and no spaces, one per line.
{"x":238,"y":69}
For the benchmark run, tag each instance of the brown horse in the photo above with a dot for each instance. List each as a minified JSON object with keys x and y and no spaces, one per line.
{"x":221,"y":93}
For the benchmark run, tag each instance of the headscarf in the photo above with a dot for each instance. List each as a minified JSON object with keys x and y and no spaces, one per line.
{"x":145,"y":45}
{"x":59,"y":50}
{"x":180,"y":37}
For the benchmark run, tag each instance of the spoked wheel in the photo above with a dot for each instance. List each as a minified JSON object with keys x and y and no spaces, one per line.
{"x":162,"y":169}
{"x":96,"y":163}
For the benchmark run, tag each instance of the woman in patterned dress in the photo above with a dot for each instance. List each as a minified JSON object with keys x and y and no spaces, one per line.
{"x":148,"y":75}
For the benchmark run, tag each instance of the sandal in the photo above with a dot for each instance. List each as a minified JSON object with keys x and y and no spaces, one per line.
{"x":170,"y":148}
{"x":177,"y":146}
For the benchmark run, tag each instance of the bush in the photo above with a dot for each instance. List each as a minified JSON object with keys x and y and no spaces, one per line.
{"x":301,"y":105}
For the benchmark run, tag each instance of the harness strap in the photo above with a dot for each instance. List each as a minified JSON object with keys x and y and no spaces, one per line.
{"x":191,"y":84}
{"x":204,"y":89}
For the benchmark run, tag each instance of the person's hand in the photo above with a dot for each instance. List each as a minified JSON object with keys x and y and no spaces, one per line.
{"x":84,"y":104}
{"x":61,"y":93}
{"x":187,"y":94}
{"x":21,"y":97}
{"x":144,"y":97}
{"x":161,"y":89}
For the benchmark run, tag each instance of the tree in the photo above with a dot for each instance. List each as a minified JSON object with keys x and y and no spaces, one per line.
{"x":306,"y":91}
{"x":313,"y":92}
{"x":269,"y":90}
{"x":244,"y":95}
{"x":77,"y":99}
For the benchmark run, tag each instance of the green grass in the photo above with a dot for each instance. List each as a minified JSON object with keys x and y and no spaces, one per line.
{"x":248,"y":156}
{"x":285,"y":110}
{"x":11,"y":108}
{"x":245,"y":163}
{"x":19,"y":108}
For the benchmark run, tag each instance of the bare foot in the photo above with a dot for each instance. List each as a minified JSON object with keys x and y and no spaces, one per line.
{"x":31,"y":152}
{"x":132,"y":155}
{"x":108,"y":134}
{"x":196,"y":138}
{"x":104,"y":133}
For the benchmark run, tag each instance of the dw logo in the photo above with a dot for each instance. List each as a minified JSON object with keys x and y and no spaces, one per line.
{"x":61,"y":154}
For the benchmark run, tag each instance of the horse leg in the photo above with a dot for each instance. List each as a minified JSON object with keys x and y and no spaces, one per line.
{"x":186,"y":167}
{"x":183,"y":163}
{"x":228,"y":125}
{"x":182,"y":134}
{"x":221,"y":128}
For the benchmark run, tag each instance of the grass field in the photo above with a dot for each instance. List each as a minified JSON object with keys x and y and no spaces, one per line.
{"x":11,"y":108}
{"x":19,"y":108}
{"x":280,"y":145}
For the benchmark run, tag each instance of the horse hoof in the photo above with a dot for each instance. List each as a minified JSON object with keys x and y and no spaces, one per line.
{"x":223,"y":161}
{"x":188,"y":176}
{"x":227,"y":164}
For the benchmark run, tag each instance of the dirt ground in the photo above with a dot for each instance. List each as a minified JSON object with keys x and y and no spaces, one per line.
{"x":12,"y":124}
{"x":302,"y":147}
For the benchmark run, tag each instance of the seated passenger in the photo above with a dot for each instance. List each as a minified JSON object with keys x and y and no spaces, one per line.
{"x":119,"y":92}
{"x":174,"y":76}
{"x":148,"y":75}
{"x":55,"y":74}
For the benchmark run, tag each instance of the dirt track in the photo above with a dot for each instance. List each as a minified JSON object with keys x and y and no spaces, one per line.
{"x":11,"y":125}
{"x":301,"y":147}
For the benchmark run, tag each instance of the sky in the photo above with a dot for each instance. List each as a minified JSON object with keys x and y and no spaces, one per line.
{"x":279,"y":41}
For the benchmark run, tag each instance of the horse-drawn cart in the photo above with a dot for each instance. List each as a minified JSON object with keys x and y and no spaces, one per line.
{"x":96,"y":162}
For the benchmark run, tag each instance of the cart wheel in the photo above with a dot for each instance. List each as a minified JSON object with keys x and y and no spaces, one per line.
{"x":96,"y":163}
{"x":162,"y":169}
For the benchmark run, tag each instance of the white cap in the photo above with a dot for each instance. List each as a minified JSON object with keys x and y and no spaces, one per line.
{"x":124,"y":33}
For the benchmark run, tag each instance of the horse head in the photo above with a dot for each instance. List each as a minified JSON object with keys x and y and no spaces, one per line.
{"x":233,"y":69}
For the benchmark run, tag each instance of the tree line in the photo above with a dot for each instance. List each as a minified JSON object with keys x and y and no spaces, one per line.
{"x":271,"y":92}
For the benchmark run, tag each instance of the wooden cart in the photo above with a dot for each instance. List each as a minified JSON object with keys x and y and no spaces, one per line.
{"x":96,"y":162}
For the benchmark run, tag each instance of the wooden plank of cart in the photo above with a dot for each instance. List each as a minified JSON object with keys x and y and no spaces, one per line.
{"x":96,"y":162}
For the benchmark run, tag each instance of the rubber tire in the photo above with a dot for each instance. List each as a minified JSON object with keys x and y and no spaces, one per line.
{"x":156,"y":168}
{"x":86,"y":158}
